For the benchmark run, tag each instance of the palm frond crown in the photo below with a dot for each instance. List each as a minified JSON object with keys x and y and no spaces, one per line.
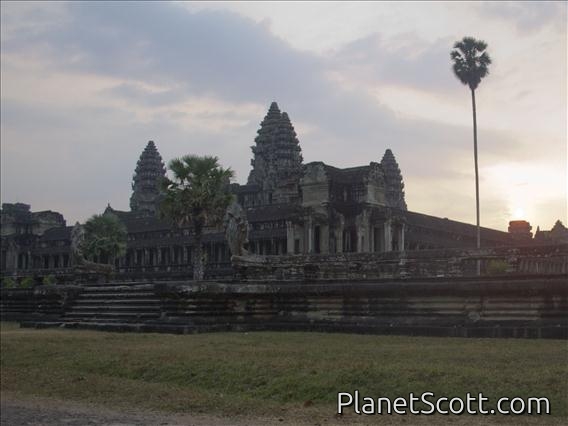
{"x":105,"y":237}
{"x":470,"y":61}
{"x":197,"y":195}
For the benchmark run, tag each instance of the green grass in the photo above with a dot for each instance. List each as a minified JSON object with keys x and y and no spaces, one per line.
{"x":264,"y":372}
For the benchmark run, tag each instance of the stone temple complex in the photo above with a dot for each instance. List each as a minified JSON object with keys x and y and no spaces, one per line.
{"x":292,"y":208}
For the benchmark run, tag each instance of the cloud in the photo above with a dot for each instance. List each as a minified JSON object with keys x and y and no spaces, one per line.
{"x":141,"y":95}
{"x":406,"y":61}
{"x":86,"y":85}
{"x":528,"y":16}
{"x":205,"y":53}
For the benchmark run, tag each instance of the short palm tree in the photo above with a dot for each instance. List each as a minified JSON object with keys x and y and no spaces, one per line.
{"x":105,"y":238}
{"x":197,"y":197}
{"x":470,"y":65}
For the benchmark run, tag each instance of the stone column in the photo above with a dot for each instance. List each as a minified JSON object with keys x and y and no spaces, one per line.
{"x":364,"y":239}
{"x":388,"y":235}
{"x":289,"y":237}
{"x":12,"y":259}
{"x":324,"y":239}
{"x":367,"y":232}
{"x":310,"y":236}
{"x":401,"y":238}
{"x":339,"y":239}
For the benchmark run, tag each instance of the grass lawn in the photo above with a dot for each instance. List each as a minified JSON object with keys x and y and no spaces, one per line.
{"x":264,"y":373}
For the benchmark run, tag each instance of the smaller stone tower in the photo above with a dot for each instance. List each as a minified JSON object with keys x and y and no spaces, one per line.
{"x":146,"y":192}
{"x":394,"y":187}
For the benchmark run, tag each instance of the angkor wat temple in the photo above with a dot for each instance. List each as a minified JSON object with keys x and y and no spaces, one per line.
{"x":292,"y":208}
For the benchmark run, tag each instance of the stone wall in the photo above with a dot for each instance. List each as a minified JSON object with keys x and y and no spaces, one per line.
{"x":43,"y":302}
{"x":483,"y":307}
{"x":501,"y":261}
{"x":509,"y":306}
{"x":523,"y":292}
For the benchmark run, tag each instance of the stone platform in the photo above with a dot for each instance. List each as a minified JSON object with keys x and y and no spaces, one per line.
{"x":515,"y":306}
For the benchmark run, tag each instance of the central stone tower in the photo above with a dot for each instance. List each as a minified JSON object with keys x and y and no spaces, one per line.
{"x":277,"y":159}
{"x":146,"y":193}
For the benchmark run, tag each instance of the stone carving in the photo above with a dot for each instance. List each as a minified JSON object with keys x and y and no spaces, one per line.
{"x":77,"y":238}
{"x":236,"y":229}
{"x":314,"y":173}
{"x":81,"y":264}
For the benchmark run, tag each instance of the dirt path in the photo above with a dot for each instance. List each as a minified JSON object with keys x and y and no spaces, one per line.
{"x":16,"y":411}
{"x":28,"y":411}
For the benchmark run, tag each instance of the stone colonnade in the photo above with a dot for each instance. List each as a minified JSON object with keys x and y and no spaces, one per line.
{"x":26,"y":261}
{"x":362,"y":237}
{"x":172,"y":255}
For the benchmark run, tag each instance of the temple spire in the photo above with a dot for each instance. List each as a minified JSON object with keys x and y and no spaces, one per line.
{"x":146,"y":192}
{"x":262,"y":152}
{"x":288,"y":147}
{"x":277,"y":158}
{"x":394,"y":186}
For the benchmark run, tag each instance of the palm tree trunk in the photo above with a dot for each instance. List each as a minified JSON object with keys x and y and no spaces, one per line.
{"x":198,"y":267}
{"x":476,"y":176}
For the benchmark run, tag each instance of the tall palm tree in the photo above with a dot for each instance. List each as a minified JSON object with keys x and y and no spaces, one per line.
{"x":196,"y":197}
{"x":105,"y":238}
{"x":470,"y":65}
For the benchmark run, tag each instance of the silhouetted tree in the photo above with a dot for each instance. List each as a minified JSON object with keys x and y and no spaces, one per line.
{"x":197,"y":197}
{"x":470,"y":65}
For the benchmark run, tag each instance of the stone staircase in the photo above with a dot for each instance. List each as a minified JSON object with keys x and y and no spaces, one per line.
{"x":114,"y":306}
{"x":114,"y":303}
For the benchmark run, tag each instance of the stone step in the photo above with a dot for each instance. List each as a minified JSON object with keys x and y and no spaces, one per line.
{"x":96,"y":308}
{"x":116,"y":290}
{"x":140,"y":301}
{"x":116,"y":326}
{"x":122,"y":295}
{"x":120,"y":284}
{"x":118,"y":287}
{"x":107,"y":320}
{"x":78,"y":315}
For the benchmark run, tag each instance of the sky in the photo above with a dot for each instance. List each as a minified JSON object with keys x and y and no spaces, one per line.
{"x":84,"y":87}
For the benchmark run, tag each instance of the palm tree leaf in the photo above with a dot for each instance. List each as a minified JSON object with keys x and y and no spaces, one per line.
{"x":470,"y":61}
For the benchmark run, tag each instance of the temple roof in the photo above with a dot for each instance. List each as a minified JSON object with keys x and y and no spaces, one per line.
{"x":347,"y":175}
{"x":452,"y":226}
{"x":271,"y":212}
{"x":54,"y":234}
{"x":240,"y":189}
